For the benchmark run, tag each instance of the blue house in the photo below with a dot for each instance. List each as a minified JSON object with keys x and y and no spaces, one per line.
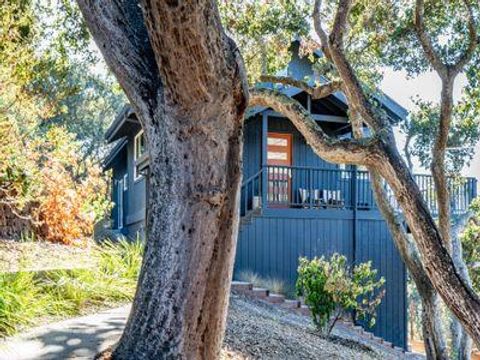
{"x":293,"y":203}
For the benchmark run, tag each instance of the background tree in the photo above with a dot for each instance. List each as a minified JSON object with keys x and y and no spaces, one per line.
{"x":53,"y":106}
{"x":264,"y":30}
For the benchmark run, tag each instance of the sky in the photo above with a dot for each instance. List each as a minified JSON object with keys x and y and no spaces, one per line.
{"x":399,"y":87}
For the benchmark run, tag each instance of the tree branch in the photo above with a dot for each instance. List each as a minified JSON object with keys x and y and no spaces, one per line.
{"x":317,"y":24}
{"x":446,"y":113}
{"x":338,"y":151}
{"x":432,"y":56}
{"x":438,"y":159}
{"x":473,"y":41}
{"x":405,"y":248}
{"x":426,"y":42}
{"x":317,"y":92}
{"x":351,"y":85}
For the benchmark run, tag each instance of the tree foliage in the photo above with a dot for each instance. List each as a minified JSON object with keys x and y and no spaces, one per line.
{"x":421,"y":129}
{"x":264,"y":30}
{"x":55,"y":104}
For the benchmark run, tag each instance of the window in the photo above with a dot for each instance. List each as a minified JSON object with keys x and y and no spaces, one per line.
{"x":138,"y":151}
{"x":345,"y":172}
{"x":125,"y":182}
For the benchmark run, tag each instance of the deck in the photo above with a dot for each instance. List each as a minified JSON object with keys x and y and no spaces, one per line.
{"x":302,"y":187}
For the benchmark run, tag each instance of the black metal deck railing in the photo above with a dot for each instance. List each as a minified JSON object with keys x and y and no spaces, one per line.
{"x":320,"y":188}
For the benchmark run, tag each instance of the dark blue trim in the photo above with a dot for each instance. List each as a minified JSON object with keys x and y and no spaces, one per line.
{"x":118,"y":122}
{"x":298,"y":213}
{"x":264,"y":158}
{"x":113,"y":153}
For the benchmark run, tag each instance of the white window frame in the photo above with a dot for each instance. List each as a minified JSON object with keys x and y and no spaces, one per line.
{"x":125,"y":182}
{"x":120,"y":200}
{"x":345,"y":173}
{"x":136,"y":175}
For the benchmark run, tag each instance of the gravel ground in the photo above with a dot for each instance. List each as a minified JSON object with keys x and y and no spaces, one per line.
{"x":39,"y":255}
{"x":256,"y":330}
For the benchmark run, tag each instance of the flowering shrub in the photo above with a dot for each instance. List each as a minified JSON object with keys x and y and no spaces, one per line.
{"x":331,"y":289}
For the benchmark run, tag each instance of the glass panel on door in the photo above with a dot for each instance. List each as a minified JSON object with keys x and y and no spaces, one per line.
{"x":279,"y":161}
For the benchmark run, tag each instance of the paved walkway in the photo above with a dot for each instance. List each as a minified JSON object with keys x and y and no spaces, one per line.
{"x":78,"y":338}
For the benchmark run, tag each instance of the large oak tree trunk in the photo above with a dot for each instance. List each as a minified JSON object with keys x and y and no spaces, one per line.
{"x":185,"y":79}
{"x":182,"y":295}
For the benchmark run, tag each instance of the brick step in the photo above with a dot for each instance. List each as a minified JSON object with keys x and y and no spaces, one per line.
{"x":368,"y":335}
{"x":260,"y":293}
{"x":387,"y":343}
{"x":304,"y":310}
{"x":358,"y":328}
{"x":241,"y":286}
{"x":291,"y":304}
{"x":275,"y":298}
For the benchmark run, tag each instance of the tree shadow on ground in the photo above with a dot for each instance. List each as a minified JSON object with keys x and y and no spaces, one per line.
{"x":82,"y":339}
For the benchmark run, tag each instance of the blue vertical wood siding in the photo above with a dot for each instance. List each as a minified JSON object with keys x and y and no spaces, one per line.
{"x":270,"y":246}
{"x":119,"y":168}
{"x":374,"y":243}
{"x":271,"y":243}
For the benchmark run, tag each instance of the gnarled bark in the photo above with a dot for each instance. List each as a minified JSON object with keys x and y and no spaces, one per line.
{"x":185,"y":79}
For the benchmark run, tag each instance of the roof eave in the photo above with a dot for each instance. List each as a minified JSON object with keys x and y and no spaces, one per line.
{"x":113,"y":153}
{"x":116,"y":125}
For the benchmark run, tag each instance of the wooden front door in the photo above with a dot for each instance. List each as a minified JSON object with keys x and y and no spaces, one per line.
{"x":279,"y":161}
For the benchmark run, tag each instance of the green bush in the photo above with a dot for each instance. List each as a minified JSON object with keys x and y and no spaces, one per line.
{"x":331,"y":289}
{"x":26,"y":297}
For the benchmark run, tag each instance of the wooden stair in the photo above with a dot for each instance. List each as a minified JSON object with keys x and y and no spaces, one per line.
{"x":250,"y":215}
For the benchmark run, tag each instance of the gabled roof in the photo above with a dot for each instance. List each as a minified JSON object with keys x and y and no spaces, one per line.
{"x":122,"y":125}
{"x":301,"y":68}
{"x":112,"y":154}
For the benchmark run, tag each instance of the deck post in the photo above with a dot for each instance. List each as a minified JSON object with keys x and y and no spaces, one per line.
{"x":264,"y":160}
{"x":310,"y":187}
{"x":354,"y":210}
